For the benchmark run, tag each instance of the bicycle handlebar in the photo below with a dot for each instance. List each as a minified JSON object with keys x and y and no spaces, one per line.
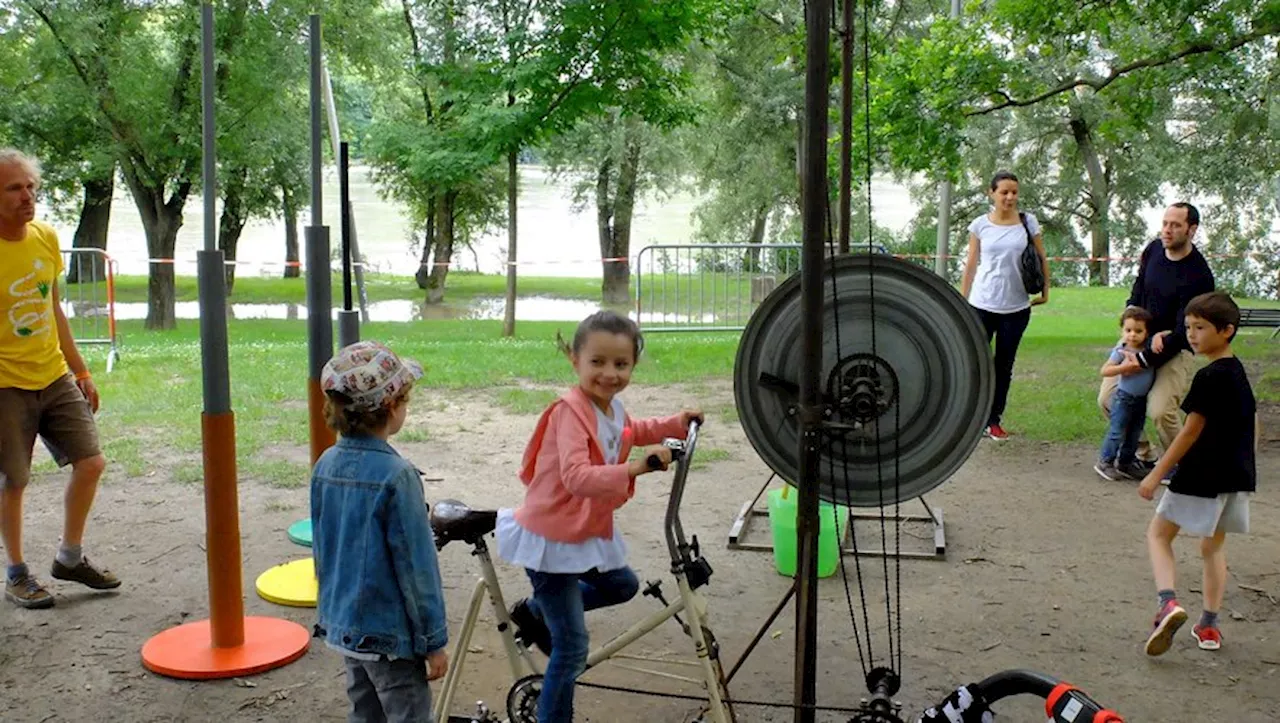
{"x":1064,"y":703}
{"x":1008,"y":683}
{"x":682,"y":457}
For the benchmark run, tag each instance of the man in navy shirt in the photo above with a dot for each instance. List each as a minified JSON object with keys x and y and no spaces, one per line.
{"x":1171,"y":272}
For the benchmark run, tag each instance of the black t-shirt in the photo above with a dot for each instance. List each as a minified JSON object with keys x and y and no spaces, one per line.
{"x":1163,"y":288}
{"x":1222,"y":459}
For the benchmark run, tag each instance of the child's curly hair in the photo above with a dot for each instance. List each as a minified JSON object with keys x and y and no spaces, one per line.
{"x":352,"y":423}
{"x":1137,"y":313}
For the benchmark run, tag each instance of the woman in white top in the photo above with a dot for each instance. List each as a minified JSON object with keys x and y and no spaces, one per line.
{"x":993,"y":282}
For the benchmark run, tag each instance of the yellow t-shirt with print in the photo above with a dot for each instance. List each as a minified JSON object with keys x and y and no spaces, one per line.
{"x":30,"y":357}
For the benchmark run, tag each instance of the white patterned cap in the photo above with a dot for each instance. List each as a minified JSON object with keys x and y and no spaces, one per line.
{"x":369,"y":374}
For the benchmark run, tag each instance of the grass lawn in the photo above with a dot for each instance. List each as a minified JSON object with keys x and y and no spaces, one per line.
{"x":151,"y":402}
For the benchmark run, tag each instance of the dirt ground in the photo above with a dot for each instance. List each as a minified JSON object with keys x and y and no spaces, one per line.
{"x":1046,"y":569}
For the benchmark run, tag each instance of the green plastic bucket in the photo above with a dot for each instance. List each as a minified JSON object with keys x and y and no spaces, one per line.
{"x":783,"y":505}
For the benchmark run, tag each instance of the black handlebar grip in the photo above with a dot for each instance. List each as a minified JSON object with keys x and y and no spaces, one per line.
{"x":654,"y":462}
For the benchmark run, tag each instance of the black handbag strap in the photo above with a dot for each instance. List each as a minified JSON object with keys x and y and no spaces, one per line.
{"x":1022,"y":216}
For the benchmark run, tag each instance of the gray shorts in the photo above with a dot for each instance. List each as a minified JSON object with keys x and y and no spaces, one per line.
{"x":1206,"y":516}
{"x":388,"y":691}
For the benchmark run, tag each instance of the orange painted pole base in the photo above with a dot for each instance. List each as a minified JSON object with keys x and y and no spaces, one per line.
{"x":227,"y":644}
{"x":322,"y":437}
{"x":187,"y":651}
{"x":222,"y":525}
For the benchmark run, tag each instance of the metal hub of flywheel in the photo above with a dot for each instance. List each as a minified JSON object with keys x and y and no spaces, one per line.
{"x":916,"y":401}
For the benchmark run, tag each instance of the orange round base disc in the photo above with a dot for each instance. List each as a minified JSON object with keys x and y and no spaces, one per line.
{"x":187,"y":651}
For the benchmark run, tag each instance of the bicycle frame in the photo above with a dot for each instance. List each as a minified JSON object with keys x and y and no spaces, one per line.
{"x":519,"y":658}
{"x":690,"y":602}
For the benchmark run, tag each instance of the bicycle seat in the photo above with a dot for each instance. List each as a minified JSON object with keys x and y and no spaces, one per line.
{"x":452,"y":520}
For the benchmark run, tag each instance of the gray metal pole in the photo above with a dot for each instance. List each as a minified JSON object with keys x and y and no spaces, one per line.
{"x":319,"y":284}
{"x":317,"y":160}
{"x":944,"y":229}
{"x":210,"y":263}
{"x":348,"y":319}
{"x":335,"y":135}
{"x":217,"y":424}
{"x":944,"y":203}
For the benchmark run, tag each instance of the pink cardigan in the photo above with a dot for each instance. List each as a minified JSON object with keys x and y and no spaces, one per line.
{"x":570,"y":492}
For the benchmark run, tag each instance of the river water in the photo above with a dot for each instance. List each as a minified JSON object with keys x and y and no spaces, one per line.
{"x":555,"y":238}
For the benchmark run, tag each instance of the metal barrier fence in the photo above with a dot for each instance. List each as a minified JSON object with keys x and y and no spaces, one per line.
{"x":708,"y":287}
{"x":87,"y":292}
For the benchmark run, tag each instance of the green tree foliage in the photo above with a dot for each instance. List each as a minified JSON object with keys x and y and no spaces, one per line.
{"x":1098,"y":109}
{"x":49,"y":115}
{"x":492,"y":77}
{"x":744,"y":146}
{"x":136,"y":68}
{"x":614,"y":160}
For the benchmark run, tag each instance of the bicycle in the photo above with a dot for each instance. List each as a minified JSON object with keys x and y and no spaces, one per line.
{"x":453,"y":521}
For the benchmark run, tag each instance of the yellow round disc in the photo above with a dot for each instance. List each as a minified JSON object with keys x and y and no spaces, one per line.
{"x":293,"y":583}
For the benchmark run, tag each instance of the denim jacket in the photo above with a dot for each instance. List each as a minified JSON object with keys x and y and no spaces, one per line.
{"x":375,"y":554}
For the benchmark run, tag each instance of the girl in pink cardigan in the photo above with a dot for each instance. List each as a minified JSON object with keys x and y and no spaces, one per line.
{"x":576,"y":473}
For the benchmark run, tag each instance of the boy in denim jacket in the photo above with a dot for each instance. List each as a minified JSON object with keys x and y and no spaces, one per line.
{"x":380,"y":601}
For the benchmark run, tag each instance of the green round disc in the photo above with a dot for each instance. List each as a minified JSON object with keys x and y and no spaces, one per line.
{"x":300,"y":532}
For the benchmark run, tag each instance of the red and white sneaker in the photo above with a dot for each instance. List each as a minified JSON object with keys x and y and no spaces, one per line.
{"x":1208,"y":637}
{"x":1170,"y":618}
{"x":996,"y":432}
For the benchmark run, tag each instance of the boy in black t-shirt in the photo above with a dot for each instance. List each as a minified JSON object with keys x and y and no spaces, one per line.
{"x":1214,"y":453}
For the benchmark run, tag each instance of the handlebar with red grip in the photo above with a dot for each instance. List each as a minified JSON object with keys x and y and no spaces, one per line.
{"x":1069,"y":704}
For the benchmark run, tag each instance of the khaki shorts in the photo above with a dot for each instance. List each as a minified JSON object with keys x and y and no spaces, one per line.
{"x":59,"y":414}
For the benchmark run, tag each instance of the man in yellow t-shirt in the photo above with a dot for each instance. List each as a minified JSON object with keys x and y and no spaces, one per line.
{"x":45,"y":388}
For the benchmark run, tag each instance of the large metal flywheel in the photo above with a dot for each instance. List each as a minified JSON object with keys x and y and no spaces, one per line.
{"x":922,"y":390}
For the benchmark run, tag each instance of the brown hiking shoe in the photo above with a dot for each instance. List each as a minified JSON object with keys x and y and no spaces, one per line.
{"x":86,"y":574}
{"x":27,"y":592}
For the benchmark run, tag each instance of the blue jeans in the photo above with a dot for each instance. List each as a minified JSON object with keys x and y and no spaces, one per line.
{"x":388,"y":691}
{"x":1128,"y":415}
{"x":561,"y":601}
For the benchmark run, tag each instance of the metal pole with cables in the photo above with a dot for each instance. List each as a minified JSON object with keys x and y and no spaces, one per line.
{"x":813,"y":194}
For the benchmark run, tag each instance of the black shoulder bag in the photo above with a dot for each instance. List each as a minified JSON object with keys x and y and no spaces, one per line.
{"x":1029,"y":264}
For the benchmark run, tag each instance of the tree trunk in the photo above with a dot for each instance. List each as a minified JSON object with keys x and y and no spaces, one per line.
{"x":513,"y":188}
{"x":1099,"y":201}
{"x":443,"y":247}
{"x":292,"y":269}
{"x":231,"y":223}
{"x":162,"y":236}
{"x":423,"y":274}
{"x":751,"y":260}
{"x":617,"y":265}
{"x":604,"y":221}
{"x":161,"y":220}
{"x":91,"y":232}
{"x":513,"y":191}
